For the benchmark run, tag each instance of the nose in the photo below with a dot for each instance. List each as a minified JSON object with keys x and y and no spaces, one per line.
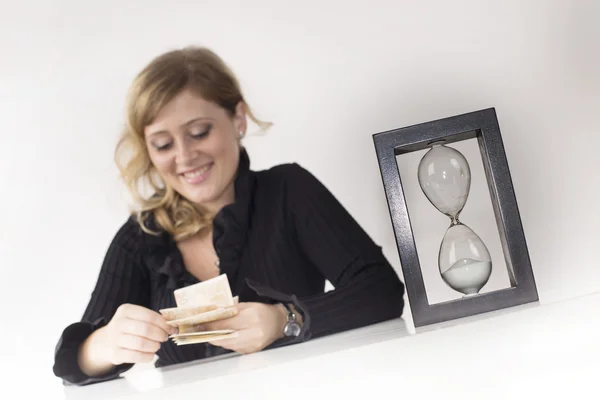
{"x":185,"y":153}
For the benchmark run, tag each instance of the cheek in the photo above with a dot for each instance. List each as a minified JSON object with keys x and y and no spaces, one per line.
{"x":162,"y":162}
{"x":222,"y":146}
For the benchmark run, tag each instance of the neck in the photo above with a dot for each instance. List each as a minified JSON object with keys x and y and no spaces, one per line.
{"x":228,"y":197}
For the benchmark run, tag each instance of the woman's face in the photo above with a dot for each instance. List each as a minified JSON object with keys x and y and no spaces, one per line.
{"x":194,"y":145}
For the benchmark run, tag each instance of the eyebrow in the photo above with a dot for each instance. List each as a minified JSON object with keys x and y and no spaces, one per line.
{"x":191,"y":121}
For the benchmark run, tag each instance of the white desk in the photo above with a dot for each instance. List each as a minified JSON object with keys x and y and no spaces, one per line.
{"x":522,"y":353}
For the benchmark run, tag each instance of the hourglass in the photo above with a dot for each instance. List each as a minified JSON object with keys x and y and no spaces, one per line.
{"x":444,"y":175}
{"x":445,"y":178}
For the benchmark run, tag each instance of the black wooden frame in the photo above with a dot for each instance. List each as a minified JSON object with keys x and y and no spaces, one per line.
{"x":484,"y":126}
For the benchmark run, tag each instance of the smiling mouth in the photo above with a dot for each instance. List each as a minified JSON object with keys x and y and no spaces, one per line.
{"x":198,"y":175}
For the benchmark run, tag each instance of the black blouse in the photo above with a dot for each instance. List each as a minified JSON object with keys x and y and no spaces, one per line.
{"x":281,"y":239}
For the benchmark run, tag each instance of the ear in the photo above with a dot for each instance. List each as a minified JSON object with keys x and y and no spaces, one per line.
{"x":240,"y":120}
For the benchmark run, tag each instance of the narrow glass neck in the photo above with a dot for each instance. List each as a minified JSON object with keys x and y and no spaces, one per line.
{"x":454,"y":220}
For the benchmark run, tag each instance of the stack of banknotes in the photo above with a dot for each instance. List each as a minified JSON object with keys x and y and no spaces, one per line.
{"x":207,"y":301}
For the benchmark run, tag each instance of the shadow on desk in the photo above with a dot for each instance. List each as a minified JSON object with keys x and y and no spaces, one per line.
{"x":146,"y":380}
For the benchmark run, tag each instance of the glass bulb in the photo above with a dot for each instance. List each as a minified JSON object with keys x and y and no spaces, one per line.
{"x":445,"y":178}
{"x":464,"y":260}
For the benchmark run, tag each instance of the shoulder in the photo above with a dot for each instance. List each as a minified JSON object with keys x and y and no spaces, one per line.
{"x":289,"y":173}
{"x":128,"y":235}
{"x":296,"y":186}
{"x":290,"y":179}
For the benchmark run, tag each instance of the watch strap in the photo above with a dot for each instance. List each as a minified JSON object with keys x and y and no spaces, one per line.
{"x":291,"y":315}
{"x":292,"y":327}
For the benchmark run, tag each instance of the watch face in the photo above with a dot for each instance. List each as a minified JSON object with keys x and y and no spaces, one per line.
{"x":292,"y":329}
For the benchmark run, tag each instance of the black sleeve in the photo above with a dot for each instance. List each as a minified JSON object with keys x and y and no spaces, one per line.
{"x":367,"y":289}
{"x":121,"y":280}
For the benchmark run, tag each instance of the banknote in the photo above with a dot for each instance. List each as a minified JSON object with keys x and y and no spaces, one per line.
{"x":204,"y":337}
{"x":174,"y":313}
{"x":214,"y":315}
{"x":200,"y":334}
{"x":215,"y":291}
{"x":177,"y":313}
{"x":206,"y":301}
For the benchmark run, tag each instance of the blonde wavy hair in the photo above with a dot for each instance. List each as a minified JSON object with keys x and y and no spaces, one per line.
{"x":202,"y":71}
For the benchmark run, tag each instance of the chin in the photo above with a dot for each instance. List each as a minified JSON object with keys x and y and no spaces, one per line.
{"x":200,"y":198}
{"x":196,"y":198}
{"x":199,"y":194}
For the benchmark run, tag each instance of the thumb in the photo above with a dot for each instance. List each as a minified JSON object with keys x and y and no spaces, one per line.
{"x":224,"y":324}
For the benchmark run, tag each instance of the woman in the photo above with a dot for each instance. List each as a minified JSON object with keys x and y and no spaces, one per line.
{"x":277,"y":234}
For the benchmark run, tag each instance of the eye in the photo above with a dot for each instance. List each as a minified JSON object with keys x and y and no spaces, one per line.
{"x":198,"y":134}
{"x":162,"y":146}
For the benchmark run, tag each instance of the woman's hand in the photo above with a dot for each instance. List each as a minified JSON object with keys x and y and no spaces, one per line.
{"x":133,"y":335}
{"x":257,"y":325}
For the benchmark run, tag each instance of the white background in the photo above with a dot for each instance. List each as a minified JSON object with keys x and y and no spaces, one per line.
{"x":329,"y":74}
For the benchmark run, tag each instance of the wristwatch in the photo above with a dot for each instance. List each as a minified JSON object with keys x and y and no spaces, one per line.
{"x":292,"y":327}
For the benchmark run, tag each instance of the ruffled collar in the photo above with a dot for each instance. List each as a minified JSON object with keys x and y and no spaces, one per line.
{"x":230,"y":231}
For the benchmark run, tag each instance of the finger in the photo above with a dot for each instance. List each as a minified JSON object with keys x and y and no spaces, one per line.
{"x":242,"y":348}
{"x":137,"y":343}
{"x":133,"y":356}
{"x":232,"y":323}
{"x":235,"y":340}
{"x":144,"y":314}
{"x":225,"y":343}
{"x":243,"y":306}
{"x":139,"y":313}
{"x":144,"y":329}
